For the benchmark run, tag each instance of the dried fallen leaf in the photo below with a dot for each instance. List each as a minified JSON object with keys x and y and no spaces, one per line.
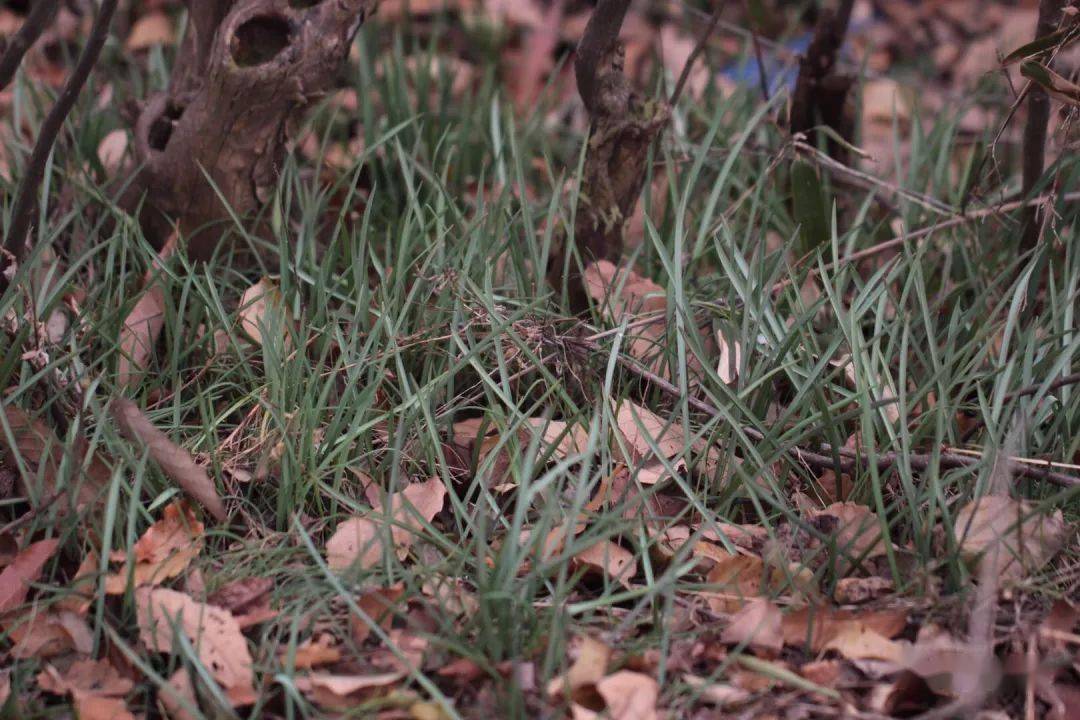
{"x":722,"y":695}
{"x":111,"y":151}
{"x":153,"y":28}
{"x":344,"y":692}
{"x":857,"y":642}
{"x":360,"y":538}
{"x":46,"y":635}
{"x":97,"y":707}
{"x":587,"y":669}
{"x":96,"y":677}
{"x":313,"y":652}
{"x":643,"y":429}
{"x":177,"y":696}
{"x":142,"y":326}
{"x":263,"y":313}
{"x":16,"y":578}
{"x":379,"y":605}
{"x":856,"y":530}
{"x":629,"y":695}
{"x":817,"y":626}
{"x":355,"y":539}
{"x":566,"y":439}
{"x":854,"y":590}
{"x":174,"y":460}
{"x":1025,"y":540}
{"x":164,"y":551}
{"x":608,"y":558}
{"x":214,"y":633}
{"x":758,"y":625}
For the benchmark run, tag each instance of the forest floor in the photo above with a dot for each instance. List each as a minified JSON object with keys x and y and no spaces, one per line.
{"x":366,"y":463}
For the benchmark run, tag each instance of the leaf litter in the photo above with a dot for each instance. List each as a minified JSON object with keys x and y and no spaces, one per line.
{"x":809,"y":604}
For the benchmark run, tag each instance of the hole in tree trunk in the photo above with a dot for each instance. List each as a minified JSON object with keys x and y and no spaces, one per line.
{"x":162,"y":128}
{"x":303,"y":4}
{"x":260,"y":39}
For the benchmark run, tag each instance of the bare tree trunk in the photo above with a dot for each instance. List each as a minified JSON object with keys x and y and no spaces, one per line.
{"x":1034,"y":150}
{"x":243,"y":80}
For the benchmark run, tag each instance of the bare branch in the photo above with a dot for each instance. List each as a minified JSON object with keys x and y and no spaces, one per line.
{"x":601,"y":34}
{"x":23,"y":212}
{"x":41,"y":14}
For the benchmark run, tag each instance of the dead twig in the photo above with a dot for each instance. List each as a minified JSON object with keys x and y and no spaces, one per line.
{"x":846,"y":460}
{"x":23,"y":212}
{"x":1034,"y":151}
{"x":924,"y":232}
{"x":41,"y":14}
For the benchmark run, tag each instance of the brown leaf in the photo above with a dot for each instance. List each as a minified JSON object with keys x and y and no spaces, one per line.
{"x":527,"y":79}
{"x":817,"y":626}
{"x":46,"y":635}
{"x":379,"y":605}
{"x":1010,"y":534}
{"x":154,"y":28}
{"x":177,"y":695}
{"x":263,"y":310}
{"x":588,"y":668}
{"x":98,"y":707}
{"x":609,"y":559}
{"x":174,"y":460}
{"x":639,"y":427}
{"x":164,"y":551}
{"x":854,"y":590}
{"x":758,"y":624}
{"x":86,"y":676}
{"x":360,"y":538}
{"x":111,"y":151}
{"x":214,"y":632}
{"x":142,"y":326}
{"x":313,"y":652}
{"x":856,"y":530}
{"x":567,"y":439}
{"x":629,"y":695}
{"x":344,"y":692}
{"x":16,"y":578}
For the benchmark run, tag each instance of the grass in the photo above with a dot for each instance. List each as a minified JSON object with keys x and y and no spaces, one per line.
{"x":416,"y":281}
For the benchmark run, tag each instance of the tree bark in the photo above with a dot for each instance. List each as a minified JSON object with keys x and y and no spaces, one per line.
{"x":41,"y":14}
{"x":214,"y":144}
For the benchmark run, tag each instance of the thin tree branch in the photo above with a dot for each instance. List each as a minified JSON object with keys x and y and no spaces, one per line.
{"x":23,"y":212}
{"x":41,"y":14}
{"x":824,"y":456}
{"x":684,"y":76}
{"x":1034,"y":153}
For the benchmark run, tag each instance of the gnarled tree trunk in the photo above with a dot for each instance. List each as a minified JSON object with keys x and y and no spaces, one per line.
{"x":245,"y":75}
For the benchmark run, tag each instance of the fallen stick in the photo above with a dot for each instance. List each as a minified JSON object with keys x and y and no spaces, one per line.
{"x":825,"y":456}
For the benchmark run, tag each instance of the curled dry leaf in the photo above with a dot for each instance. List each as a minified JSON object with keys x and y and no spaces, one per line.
{"x":587,"y":669}
{"x":730,"y":358}
{"x":213,"y":631}
{"x":758,"y":625}
{"x":177,"y":696}
{"x":111,"y":151}
{"x":142,"y":326}
{"x":16,"y":578}
{"x":164,"y":551}
{"x":817,"y":626}
{"x":855,"y":529}
{"x":95,"y":686}
{"x":174,"y":460}
{"x":263,"y":313}
{"x":627,"y":695}
{"x":608,"y":558}
{"x":379,"y":605}
{"x":360,"y":538}
{"x":153,"y":28}
{"x":1025,"y":540}
{"x":313,"y":652}
{"x":46,"y":635}
{"x":642,"y":429}
{"x":345,"y":692}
